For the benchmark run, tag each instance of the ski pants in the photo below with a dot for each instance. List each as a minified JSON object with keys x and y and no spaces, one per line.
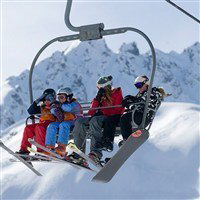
{"x":110,"y":124}
{"x":63,"y":130}
{"x":94,"y":127}
{"x":80,"y":131}
{"x":36,"y":131}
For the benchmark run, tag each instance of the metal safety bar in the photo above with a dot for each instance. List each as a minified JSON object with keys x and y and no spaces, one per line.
{"x":94,"y":32}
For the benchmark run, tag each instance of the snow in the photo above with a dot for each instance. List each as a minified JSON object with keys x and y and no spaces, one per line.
{"x":165,"y":167}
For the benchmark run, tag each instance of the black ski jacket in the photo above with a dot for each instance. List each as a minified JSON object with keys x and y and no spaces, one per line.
{"x":34,"y":109}
{"x":155,"y":100}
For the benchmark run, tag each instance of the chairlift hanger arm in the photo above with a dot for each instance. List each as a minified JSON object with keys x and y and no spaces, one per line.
{"x":58,"y":39}
{"x":67,"y":20}
{"x":87,"y":32}
{"x":81,"y":29}
{"x":182,"y":10}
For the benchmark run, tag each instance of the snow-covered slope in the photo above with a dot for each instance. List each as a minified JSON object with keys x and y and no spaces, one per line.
{"x":165,"y":167}
{"x":80,"y":66}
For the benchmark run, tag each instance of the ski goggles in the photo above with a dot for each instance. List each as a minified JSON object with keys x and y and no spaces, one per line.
{"x":139,"y":84}
{"x":61,"y":97}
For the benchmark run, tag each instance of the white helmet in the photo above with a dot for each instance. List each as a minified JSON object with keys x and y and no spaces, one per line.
{"x":67,"y":91}
{"x":141,"y":80}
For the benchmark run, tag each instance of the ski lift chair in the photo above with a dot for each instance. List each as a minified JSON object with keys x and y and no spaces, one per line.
{"x":95,"y":32}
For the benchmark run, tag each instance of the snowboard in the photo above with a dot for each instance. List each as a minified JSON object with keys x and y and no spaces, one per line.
{"x":134,"y":141}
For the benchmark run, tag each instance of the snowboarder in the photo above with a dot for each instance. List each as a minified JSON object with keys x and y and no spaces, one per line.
{"x":157,"y":95}
{"x":106,"y":96}
{"x":38,"y":130}
{"x":66,"y":111}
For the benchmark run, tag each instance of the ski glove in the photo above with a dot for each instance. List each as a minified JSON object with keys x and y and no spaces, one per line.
{"x":56,"y":104}
{"x":98,"y":113}
{"x":41,"y":98}
{"x":128,"y":100}
{"x":100,"y":94}
{"x":57,"y":111}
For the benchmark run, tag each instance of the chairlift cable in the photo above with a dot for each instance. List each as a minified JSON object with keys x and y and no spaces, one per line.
{"x":182,"y":10}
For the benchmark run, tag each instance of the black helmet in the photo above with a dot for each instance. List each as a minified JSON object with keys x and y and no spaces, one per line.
{"x":104,"y":81}
{"x":49,"y":91}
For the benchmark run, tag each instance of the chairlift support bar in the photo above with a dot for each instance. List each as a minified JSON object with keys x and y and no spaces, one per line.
{"x":94,"y":32}
{"x":182,"y":10}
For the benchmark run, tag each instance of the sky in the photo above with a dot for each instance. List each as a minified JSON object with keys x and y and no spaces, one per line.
{"x":27,"y":25}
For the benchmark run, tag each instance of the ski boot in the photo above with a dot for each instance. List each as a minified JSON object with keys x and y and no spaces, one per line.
{"x":21,"y":153}
{"x":107,"y":159}
{"x":98,"y":145}
{"x":78,"y":159}
{"x":61,"y":149}
{"x":121,"y":143}
{"x":94,"y":157}
{"x":51,"y":148}
{"x":107,"y":145}
{"x":74,"y":156}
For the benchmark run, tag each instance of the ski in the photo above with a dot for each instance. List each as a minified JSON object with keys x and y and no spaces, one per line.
{"x":35,"y":160}
{"x":57,"y":157}
{"x":30,"y":158}
{"x":49,"y":157}
{"x":75,"y":149}
{"x":19,"y":158}
{"x":134,"y":141}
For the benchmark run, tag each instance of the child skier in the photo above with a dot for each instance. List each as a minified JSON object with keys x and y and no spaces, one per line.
{"x":38,"y":130}
{"x":67,"y":110}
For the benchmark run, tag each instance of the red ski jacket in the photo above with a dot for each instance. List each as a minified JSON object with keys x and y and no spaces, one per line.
{"x":116,"y":100}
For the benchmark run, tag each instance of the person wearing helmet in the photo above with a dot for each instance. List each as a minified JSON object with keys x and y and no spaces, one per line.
{"x":106,"y":96}
{"x":135,"y":106}
{"x":38,"y":130}
{"x":66,"y":111}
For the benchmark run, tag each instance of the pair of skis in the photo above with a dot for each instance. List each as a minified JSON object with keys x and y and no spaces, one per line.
{"x":19,"y":158}
{"x":41,"y":158}
{"x":105,"y":173}
{"x":55,"y":156}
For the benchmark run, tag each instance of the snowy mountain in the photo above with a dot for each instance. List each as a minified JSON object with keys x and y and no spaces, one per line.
{"x":80,"y":66}
{"x":165,"y":167}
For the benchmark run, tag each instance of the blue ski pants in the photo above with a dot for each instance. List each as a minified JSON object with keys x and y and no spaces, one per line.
{"x":63,"y":130}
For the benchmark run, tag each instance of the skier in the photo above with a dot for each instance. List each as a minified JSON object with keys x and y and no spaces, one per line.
{"x":66,"y":111}
{"x":157,"y":95}
{"x":106,"y":96}
{"x":38,"y":130}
